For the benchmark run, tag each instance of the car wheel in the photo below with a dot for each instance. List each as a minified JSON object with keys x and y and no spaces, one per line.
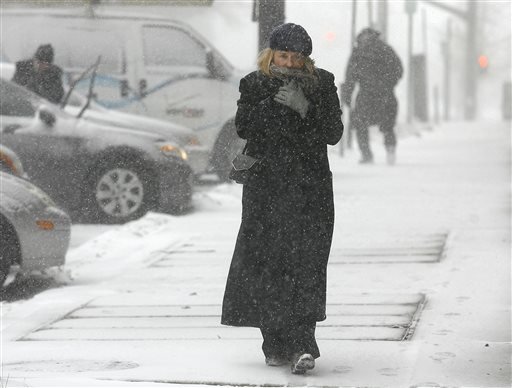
{"x":226,"y":147}
{"x":9,"y":249}
{"x":120,"y":191}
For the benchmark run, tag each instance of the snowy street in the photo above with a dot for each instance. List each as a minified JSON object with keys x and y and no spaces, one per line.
{"x":419,"y":284}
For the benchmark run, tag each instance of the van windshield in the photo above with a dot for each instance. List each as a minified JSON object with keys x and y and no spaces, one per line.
{"x":166,"y":47}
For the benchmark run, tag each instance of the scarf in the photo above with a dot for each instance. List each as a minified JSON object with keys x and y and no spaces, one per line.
{"x":307,"y":81}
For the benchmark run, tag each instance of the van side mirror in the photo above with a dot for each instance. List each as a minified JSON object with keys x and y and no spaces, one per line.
{"x":123,"y":84}
{"x":143,"y":87}
{"x":211,"y":65}
{"x":47,"y":117}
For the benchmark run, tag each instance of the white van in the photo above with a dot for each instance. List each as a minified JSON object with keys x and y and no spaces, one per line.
{"x":149,"y":65}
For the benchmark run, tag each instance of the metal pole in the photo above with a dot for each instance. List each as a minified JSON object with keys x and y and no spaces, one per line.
{"x":470,"y":106}
{"x":382,"y":19}
{"x":410,"y":96}
{"x":446,"y":48}
{"x":370,"y":12}
{"x":436,"y":105}
{"x":353,"y":44}
{"x":425,"y":50}
{"x":270,"y":13}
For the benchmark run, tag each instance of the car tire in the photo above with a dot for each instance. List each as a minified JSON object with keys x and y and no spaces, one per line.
{"x":9,"y":249}
{"x":120,"y":190}
{"x":226,"y":147}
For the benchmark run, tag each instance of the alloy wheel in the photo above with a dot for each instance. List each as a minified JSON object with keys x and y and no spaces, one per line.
{"x":119,"y":192}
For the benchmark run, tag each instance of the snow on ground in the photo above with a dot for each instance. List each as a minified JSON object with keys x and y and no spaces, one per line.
{"x":126,"y":315}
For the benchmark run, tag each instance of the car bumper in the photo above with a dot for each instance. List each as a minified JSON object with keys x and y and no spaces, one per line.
{"x":198,"y":158}
{"x":175,"y":188}
{"x":44,"y":247}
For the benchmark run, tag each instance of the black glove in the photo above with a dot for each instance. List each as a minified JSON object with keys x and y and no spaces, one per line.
{"x":293,"y":97}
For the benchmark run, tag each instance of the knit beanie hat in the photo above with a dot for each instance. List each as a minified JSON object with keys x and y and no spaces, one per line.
{"x":291,"y":37}
{"x":44,"y":53}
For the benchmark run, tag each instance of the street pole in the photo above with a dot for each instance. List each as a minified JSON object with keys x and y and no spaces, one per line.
{"x":269,"y":14}
{"x":370,"y":12}
{"x":382,"y":19}
{"x":410,"y":96}
{"x":353,"y":44}
{"x":446,"y":49}
{"x":469,"y":17}
{"x":425,"y":51}
{"x":470,"y":107}
{"x":436,"y":105}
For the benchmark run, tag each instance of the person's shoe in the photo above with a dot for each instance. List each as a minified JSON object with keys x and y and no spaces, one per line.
{"x":366,"y":160}
{"x":276,"y":361}
{"x":302,"y":363}
{"x":391,"y":155}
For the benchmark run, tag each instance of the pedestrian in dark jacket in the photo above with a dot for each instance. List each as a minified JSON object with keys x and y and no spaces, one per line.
{"x":40,"y":75}
{"x":288,"y":112}
{"x":376,"y":68}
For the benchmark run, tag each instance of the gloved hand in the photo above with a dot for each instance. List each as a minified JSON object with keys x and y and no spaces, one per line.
{"x":293,"y":97}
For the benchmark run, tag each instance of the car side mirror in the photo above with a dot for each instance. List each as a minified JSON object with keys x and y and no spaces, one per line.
{"x":47,"y":117}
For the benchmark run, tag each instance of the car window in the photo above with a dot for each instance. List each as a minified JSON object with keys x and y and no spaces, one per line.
{"x":168,"y":46}
{"x":16,"y":101}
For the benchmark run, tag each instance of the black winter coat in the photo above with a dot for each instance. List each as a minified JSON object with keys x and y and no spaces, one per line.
{"x":278,"y":270}
{"x":376,"y":68}
{"x":47,"y":83}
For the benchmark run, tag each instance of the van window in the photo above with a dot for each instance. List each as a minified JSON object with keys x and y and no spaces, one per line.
{"x":80,"y":49}
{"x":168,"y":47}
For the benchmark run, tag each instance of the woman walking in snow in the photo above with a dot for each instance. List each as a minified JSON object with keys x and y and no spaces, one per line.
{"x":288,"y":112}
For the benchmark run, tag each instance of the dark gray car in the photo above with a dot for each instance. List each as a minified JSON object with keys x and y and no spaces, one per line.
{"x":109,"y":173}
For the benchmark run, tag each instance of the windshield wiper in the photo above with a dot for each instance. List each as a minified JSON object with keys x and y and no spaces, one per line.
{"x":91,"y":87}
{"x":93,"y":68}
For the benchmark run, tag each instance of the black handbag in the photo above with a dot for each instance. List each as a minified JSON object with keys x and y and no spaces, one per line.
{"x":243,"y":168}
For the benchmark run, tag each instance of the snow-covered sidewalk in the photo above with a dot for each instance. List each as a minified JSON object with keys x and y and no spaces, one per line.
{"x":418,"y":294}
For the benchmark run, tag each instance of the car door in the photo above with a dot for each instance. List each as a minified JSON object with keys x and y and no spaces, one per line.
{"x":47,"y":151}
{"x":174,"y":79}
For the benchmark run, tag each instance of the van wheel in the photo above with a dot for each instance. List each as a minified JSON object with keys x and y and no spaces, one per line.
{"x":228,"y":144}
{"x":120,"y":191}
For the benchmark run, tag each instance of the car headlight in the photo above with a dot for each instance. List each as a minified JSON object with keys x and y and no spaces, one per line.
{"x":12,"y":164}
{"x":174,"y":151}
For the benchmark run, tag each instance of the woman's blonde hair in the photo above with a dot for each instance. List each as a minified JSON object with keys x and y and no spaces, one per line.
{"x":265,"y":60}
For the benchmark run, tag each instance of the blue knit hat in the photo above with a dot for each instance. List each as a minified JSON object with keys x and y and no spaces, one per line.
{"x":291,"y":37}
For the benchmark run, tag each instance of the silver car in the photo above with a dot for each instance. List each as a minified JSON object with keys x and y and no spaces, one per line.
{"x":198,"y":154}
{"x":105,"y":173}
{"x":34,"y":232}
{"x":10,"y":162}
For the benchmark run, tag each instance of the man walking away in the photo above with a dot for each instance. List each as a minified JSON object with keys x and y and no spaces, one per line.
{"x":40,"y":75}
{"x":375,"y":66}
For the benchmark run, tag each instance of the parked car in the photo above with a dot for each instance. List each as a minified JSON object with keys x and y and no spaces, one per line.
{"x":109,"y":173}
{"x":10,"y":162}
{"x":198,"y":154}
{"x":34,"y":232}
{"x":150,"y":65}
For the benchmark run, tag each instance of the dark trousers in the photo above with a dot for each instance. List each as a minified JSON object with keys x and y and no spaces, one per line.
{"x":363,"y":138}
{"x":371,"y":110}
{"x":286,"y":342}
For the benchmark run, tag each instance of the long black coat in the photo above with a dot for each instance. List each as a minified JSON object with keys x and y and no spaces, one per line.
{"x":376,"y":68}
{"x":47,"y":83}
{"x":278,"y":271}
